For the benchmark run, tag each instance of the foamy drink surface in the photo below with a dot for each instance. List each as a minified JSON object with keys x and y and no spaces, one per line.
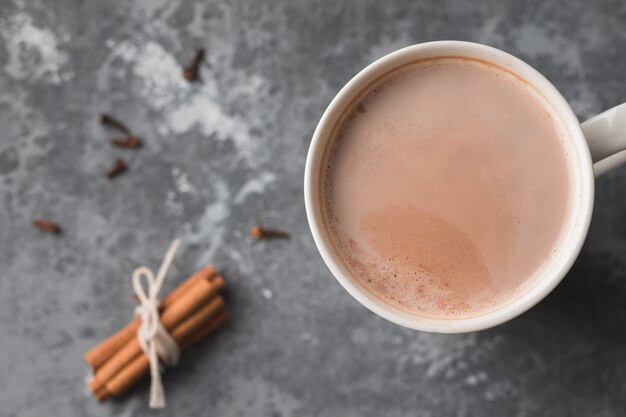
{"x":446,"y":188}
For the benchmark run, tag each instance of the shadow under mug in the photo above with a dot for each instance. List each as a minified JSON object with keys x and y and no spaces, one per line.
{"x":596,"y":147}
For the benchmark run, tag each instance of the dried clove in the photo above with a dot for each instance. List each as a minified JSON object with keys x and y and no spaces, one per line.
{"x":108,"y":120}
{"x":118,"y":167}
{"x":191,"y":72}
{"x":131,"y":142}
{"x":47,"y":226}
{"x":258,"y":233}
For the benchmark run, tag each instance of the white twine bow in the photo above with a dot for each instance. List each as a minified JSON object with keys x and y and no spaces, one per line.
{"x":154,"y":339}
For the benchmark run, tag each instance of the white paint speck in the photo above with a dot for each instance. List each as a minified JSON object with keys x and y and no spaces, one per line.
{"x":189,"y":106}
{"x":387,"y":46}
{"x":360,"y":336}
{"x":537,"y":41}
{"x":204,"y":112}
{"x":397,"y":340}
{"x":489,"y":32}
{"x":499,"y":389}
{"x":442,"y":357}
{"x":181,"y":182}
{"x":475,"y":379}
{"x":210,"y":228}
{"x":255,"y":185}
{"x":256,"y":396}
{"x":33,"y":52}
{"x":196,"y":26}
{"x":267,"y":293}
{"x":309,"y":338}
{"x":158,"y":70}
{"x":151,"y":8}
{"x":173,"y":203}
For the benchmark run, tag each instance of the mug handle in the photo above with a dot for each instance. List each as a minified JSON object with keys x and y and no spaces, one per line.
{"x":606,"y":137}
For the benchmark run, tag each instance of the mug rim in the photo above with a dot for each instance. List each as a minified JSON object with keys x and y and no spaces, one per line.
{"x":584,"y":197}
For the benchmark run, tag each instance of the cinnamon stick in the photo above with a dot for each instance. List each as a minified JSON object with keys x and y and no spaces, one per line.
{"x":99,"y":354}
{"x":191,"y":301}
{"x":206,"y":273}
{"x":220,"y":319}
{"x":202,"y":324}
{"x":194,"y":323}
{"x":186,"y":305}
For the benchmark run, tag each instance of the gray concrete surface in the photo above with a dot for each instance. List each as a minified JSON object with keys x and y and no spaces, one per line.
{"x":226,"y":153}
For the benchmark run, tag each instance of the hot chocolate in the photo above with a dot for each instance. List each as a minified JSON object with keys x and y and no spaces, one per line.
{"x":446,"y":187}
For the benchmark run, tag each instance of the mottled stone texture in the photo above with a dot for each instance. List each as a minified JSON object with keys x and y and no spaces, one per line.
{"x":225,"y":153}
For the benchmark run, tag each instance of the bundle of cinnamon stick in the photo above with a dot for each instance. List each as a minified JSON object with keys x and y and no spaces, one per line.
{"x":189,"y":313}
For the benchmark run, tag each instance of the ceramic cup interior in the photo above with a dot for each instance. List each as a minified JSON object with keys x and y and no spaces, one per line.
{"x":580,"y":167}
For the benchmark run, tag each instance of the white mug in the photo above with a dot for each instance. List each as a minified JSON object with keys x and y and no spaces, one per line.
{"x":596,"y":143}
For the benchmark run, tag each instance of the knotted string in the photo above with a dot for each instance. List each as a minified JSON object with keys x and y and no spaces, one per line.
{"x":154,"y":339}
